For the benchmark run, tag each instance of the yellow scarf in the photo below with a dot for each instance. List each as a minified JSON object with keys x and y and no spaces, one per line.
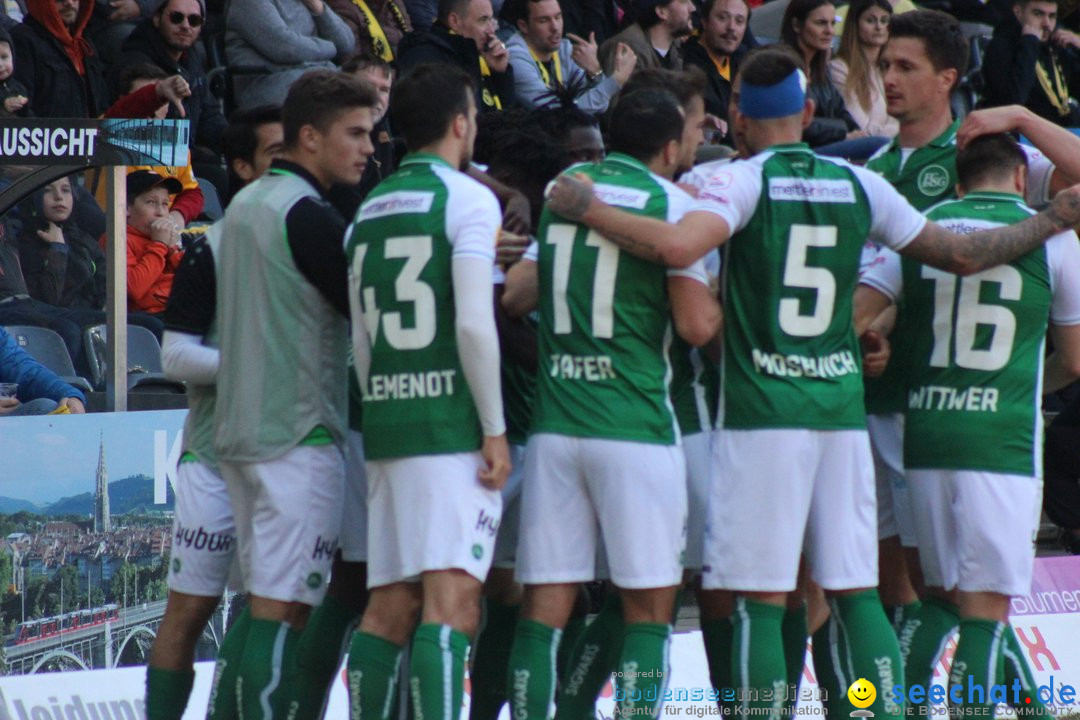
{"x":1058,"y":92}
{"x":487,"y":96}
{"x":722,"y":64}
{"x":378,"y":36}
{"x":544,"y":74}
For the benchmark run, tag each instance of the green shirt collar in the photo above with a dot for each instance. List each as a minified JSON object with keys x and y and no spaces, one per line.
{"x":994,"y":195}
{"x":624,"y":159}
{"x":944,"y":140}
{"x":422,"y":158}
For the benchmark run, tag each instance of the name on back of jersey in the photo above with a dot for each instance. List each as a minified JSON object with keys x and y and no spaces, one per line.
{"x":833,"y":365}
{"x":590,"y":368}
{"x":409,"y":386}
{"x":968,"y":399}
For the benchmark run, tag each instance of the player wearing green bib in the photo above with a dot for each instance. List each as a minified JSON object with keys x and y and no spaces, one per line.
{"x":603,"y":454}
{"x":973,"y":435}
{"x":790,"y":376}
{"x":421,"y":251}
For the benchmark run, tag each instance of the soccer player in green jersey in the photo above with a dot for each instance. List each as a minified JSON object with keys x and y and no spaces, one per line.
{"x":603,"y":456}
{"x":790,"y":373}
{"x":421,"y":252}
{"x":973,"y":431}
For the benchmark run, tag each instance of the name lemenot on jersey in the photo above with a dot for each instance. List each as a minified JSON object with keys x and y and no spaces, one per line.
{"x":969,"y":399}
{"x":410,"y":386}
{"x":835,"y":364}
{"x":814,"y":190}
{"x":621,"y":196}
{"x":401,"y":202}
{"x":590,"y":368}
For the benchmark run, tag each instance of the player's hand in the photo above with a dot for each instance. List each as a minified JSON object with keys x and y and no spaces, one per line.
{"x":496,"y":55}
{"x":173,"y":90}
{"x":517,"y":216}
{"x":8,"y":405}
{"x":74,"y":405}
{"x":584,"y":52}
{"x":625,"y":62}
{"x":53,"y":234}
{"x":1065,"y":38}
{"x":570,"y":195}
{"x":510,"y":248}
{"x":15,"y":103}
{"x":164,"y":231}
{"x":1064,"y":209}
{"x":876,"y":352}
{"x":496,"y":454}
{"x":123,"y":10}
{"x":989,"y":121}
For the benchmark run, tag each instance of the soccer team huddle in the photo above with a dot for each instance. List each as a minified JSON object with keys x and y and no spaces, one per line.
{"x":711,"y":404}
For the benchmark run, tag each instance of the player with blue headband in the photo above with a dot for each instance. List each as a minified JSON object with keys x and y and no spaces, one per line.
{"x":767,"y":102}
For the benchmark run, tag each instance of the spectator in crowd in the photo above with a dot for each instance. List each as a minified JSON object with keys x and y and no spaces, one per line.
{"x":57,"y":64}
{"x":169,"y":40}
{"x":153,"y":241}
{"x":40,"y":391}
{"x":544,"y":60}
{"x":383,"y":162}
{"x":898,"y":7}
{"x":422,"y":13}
{"x":12,"y":13}
{"x":252,"y":139}
{"x":808,"y":28}
{"x":718,"y":50}
{"x":270,"y":44}
{"x":1030,"y":63}
{"x":575,"y":130}
{"x":600,"y":17}
{"x":377,"y":25}
{"x":464,"y":35}
{"x":61,"y":263}
{"x":854,"y":71}
{"x":13,"y":95}
{"x":655,"y":37}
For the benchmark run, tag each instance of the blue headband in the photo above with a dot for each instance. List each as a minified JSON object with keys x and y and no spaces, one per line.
{"x":764,"y":102}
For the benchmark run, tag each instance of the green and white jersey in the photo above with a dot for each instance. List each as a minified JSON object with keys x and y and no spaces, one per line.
{"x":695,"y":379}
{"x":400,"y":248}
{"x":798,"y":224}
{"x":976,"y":359}
{"x":605,"y":323}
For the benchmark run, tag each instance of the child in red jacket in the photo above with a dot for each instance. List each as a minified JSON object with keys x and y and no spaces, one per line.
{"x":153,"y":241}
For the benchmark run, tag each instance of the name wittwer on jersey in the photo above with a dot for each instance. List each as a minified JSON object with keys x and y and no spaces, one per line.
{"x":591,"y":368}
{"x":833,"y":365}
{"x":407,"y":386}
{"x":970,"y":399}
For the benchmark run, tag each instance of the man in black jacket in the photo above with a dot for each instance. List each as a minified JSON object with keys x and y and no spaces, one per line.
{"x":718,"y":51}
{"x":464,"y":35}
{"x":169,"y":39}
{"x":1030,"y":63}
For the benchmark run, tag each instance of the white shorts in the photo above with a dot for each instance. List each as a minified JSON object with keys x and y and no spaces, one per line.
{"x":976,"y":530}
{"x":893,"y":500}
{"x":354,"y":518}
{"x":780,"y":493}
{"x":204,"y":533}
{"x":506,"y":541}
{"x":697,"y":450}
{"x":577,"y":488}
{"x":429,"y":512}
{"x":288,"y":517}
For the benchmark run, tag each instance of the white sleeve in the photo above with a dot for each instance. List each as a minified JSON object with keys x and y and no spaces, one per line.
{"x":532,"y":252}
{"x":894,"y":222}
{"x":884,"y":274}
{"x":698,"y":175}
{"x":477,"y":338}
{"x":732,"y":192}
{"x":1063,"y":259}
{"x":472,"y":217}
{"x":1039,"y":172}
{"x":696,"y":271}
{"x":184,"y":357}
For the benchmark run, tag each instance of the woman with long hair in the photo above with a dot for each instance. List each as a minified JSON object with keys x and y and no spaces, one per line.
{"x":854,"y":71}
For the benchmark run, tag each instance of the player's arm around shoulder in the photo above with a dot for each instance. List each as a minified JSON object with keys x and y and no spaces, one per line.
{"x":522,"y":289}
{"x":694,"y":307}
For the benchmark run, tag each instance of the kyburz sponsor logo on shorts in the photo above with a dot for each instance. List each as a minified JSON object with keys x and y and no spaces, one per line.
{"x":813,"y":190}
{"x":933,"y":180}
{"x":324,"y":549}
{"x":199,"y":539}
{"x":487,"y":523}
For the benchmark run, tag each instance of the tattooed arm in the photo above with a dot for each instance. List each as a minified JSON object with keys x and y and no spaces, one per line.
{"x":968,"y":254}
{"x":674,"y":245}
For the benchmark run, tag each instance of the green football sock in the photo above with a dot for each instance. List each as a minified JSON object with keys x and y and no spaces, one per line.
{"x":373,"y":673}
{"x":833,"y":697}
{"x":923,"y":638}
{"x":717,"y":636}
{"x":591,"y":662}
{"x":574,"y":627}
{"x":268,"y":671}
{"x":1016,"y":668}
{"x":758,"y":657}
{"x":223,"y":698}
{"x":867,"y":648}
{"x":898,"y":614}
{"x":794,"y":632}
{"x":531,"y":673}
{"x":644,"y":669}
{"x":490,"y":659}
{"x":167,"y":693}
{"x":437,"y":671}
{"x":330,"y":626}
{"x":978,"y":663}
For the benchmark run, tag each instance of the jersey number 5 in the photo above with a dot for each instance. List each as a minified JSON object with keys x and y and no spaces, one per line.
{"x":970,"y":314}
{"x":562,"y":236}
{"x":408,"y":288}
{"x":798,"y":274}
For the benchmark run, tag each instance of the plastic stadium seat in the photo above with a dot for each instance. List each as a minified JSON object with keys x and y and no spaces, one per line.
{"x":144,"y":360}
{"x":48,"y":348}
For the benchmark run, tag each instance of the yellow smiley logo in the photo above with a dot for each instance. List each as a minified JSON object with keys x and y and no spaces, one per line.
{"x":862,"y":693}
